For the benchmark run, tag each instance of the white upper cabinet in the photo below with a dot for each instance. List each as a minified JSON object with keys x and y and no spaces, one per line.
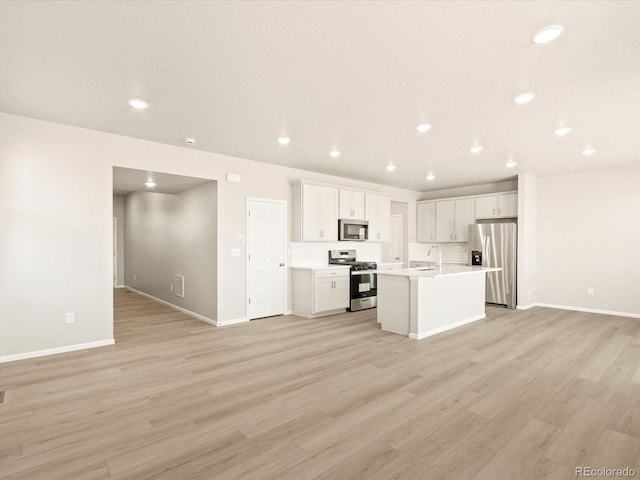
{"x":426,"y":228}
{"x":445,"y":220}
{"x":351,"y":204}
{"x":315,"y":213}
{"x":378,"y":214}
{"x":463,"y":217}
{"x":497,"y":206}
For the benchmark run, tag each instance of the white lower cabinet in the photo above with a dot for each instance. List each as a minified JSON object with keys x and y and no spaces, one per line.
{"x":320,"y":291}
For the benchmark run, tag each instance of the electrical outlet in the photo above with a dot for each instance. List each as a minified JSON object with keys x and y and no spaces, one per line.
{"x":71,"y":317}
{"x":134,"y":276}
{"x":533,"y":293}
{"x":590,"y":291}
{"x":171,"y":287}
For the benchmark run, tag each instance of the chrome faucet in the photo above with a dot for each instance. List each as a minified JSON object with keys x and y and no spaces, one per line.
{"x":439,"y":264}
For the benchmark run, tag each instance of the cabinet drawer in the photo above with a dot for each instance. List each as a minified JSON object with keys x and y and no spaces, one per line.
{"x":331,"y":272}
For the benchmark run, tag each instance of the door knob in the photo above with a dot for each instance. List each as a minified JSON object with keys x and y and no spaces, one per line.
{"x":282,"y":264}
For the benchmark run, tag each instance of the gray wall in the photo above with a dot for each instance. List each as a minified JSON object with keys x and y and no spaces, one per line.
{"x":588,"y":235}
{"x":118,"y":212}
{"x":168,"y":235}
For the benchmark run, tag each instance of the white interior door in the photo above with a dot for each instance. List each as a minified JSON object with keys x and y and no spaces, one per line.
{"x":266,"y":258}
{"x":392,"y":250}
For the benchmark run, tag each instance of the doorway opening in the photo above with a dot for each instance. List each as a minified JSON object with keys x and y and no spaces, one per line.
{"x":165,"y":235}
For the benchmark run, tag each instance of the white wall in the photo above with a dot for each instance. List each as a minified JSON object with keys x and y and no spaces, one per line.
{"x":118,"y":212}
{"x":588,"y":235}
{"x":56,"y":237}
{"x":168,"y":235}
{"x":527,"y":279}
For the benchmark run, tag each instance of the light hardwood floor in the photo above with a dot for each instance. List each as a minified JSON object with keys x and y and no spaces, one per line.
{"x":520,"y":395}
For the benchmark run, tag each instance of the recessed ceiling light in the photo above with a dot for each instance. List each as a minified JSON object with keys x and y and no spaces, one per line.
{"x":150,"y":184}
{"x":430,"y":176}
{"x":284,"y":140}
{"x":391,"y":167}
{"x":561,"y":131}
{"x":423,"y":127}
{"x":547,"y":34}
{"x":475,"y":149}
{"x":335,"y":153}
{"x":138,"y":103}
{"x":588,"y":151}
{"x":524,"y":98}
{"x":190,"y":141}
{"x":510,"y":164}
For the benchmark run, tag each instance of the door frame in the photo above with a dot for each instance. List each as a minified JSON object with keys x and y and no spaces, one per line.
{"x":115,"y":252}
{"x":285,"y":283}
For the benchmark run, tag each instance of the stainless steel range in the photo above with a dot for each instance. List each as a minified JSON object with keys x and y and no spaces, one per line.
{"x":363,"y":286}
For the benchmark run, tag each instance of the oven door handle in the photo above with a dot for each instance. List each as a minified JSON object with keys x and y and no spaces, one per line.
{"x":362,"y":272}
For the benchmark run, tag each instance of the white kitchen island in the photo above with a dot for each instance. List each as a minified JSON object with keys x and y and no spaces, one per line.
{"x":420,"y":302}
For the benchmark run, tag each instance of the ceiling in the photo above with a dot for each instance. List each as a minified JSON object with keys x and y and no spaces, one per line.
{"x":128,"y":180}
{"x":356,"y":76}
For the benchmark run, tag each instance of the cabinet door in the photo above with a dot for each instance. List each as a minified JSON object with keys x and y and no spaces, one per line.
{"x":486,"y":207}
{"x":311,"y":218}
{"x":463,"y":217}
{"x":341,"y":297}
{"x":383,"y":219}
{"x":508,"y":205}
{"x":323,"y":295}
{"x":378,"y":214}
{"x":426,"y":228}
{"x":329,"y":214}
{"x":444,"y":221}
{"x":351,"y":204}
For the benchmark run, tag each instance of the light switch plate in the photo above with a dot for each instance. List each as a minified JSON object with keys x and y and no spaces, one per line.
{"x":235,"y":252}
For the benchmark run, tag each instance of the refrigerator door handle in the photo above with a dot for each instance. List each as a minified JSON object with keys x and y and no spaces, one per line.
{"x":487,"y":251}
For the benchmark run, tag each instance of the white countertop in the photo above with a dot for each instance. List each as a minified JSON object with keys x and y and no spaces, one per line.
{"x":315,"y":266}
{"x":444,"y":271}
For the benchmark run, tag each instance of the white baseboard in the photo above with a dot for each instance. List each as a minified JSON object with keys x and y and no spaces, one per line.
{"x":231,"y":321}
{"x":526,"y":307}
{"x":175,"y":307}
{"x":56,"y":350}
{"x":435,"y":331}
{"x":288,"y":312}
{"x":589,"y":310}
{"x":120,"y":286}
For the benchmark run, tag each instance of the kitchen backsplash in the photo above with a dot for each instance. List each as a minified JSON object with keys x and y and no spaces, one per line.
{"x":451,"y":252}
{"x":318,"y":253}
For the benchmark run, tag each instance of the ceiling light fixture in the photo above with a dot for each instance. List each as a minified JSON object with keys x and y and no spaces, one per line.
{"x":475,"y":149}
{"x":547,"y":34}
{"x":190,"y":141}
{"x":524,"y":98}
{"x":391,"y":167}
{"x":423,"y":127}
{"x":430,"y":176}
{"x":588,"y":151}
{"x":138,"y":103}
{"x":284,"y":140}
{"x":150,"y":183}
{"x":511,"y":163}
{"x":561,"y":131}
{"x":335,"y":153}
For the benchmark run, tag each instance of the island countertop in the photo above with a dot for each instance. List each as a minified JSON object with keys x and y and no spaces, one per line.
{"x":434,"y":272}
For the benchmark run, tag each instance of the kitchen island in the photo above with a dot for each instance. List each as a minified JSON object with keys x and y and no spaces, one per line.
{"x":420,"y":302}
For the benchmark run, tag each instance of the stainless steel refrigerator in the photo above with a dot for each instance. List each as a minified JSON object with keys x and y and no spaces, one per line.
{"x":495,"y":245}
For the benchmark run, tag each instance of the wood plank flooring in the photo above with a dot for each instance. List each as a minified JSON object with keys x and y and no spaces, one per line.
{"x":520,"y":395}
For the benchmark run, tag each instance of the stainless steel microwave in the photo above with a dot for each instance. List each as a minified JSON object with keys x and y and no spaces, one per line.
{"x":353,"y":230}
